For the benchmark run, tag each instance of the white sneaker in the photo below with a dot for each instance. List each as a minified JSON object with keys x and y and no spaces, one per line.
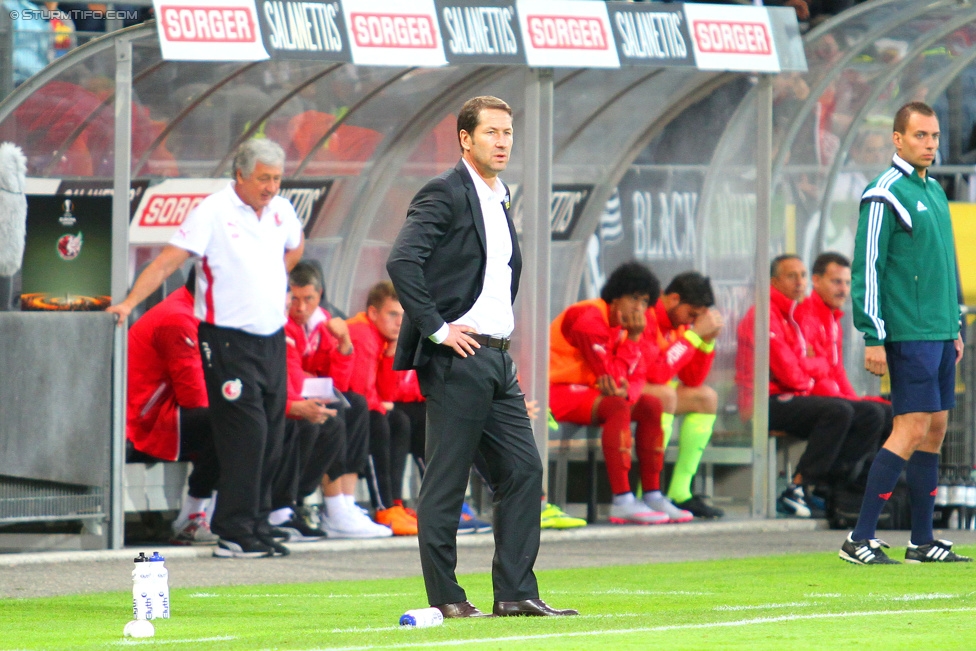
{"x":665,"y":505}
{"x":351,"y":523}
{"x":195,"y":531}
{"x":636,"y":512}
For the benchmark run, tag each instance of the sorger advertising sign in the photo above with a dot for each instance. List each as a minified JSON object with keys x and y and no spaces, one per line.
{"x":209,"y":30}
{"x":563,"y":34}
{"x":402,"y":33}
{"x":164,"y":207}
{"x":732,"y":38}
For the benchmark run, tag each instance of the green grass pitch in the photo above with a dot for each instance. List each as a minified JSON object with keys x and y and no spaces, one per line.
{"x":802,"y":601}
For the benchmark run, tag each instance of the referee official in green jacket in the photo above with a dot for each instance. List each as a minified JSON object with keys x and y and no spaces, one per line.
{"x":905,"y":299}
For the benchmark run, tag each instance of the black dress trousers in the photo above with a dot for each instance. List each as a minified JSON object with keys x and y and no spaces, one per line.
{"x":475,"y":405}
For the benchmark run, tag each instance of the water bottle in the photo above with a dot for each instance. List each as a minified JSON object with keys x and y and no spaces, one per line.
{"x":142,"y":586}
{"x":422,"y":618}
{"x":160,"y":591}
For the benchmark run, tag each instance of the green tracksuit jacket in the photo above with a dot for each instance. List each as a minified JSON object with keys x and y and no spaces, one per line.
{"x":903,"y":276}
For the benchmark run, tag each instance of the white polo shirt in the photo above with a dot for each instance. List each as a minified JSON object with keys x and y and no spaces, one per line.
{"x":241,"y":276}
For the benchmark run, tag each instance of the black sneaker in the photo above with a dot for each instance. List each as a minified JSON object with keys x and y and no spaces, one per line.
{"x":246,"y":547}
{"x":866,"y":552}
{"x":277,"y":533}
{"x":271,"y":540}
{"x":299,"y":531}
{"x":793,"y":502}
{"x":699,"y":508}
{"x":937,"y":551}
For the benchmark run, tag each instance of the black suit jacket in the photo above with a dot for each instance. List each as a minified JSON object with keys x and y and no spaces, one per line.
{"x":438,"y":261}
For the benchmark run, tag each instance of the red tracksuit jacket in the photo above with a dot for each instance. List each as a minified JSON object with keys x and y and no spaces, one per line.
{"x":790,"y":370}
{"x":372,"y":376}
{"x":320,"y":351}
{"x":165,"y":373}
{"x":669,"y":353}
{"x":583,"y":346}
{"x":821,"y":329}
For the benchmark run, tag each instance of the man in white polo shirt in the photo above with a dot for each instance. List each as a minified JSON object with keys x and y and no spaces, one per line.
{"x":245,"y":239}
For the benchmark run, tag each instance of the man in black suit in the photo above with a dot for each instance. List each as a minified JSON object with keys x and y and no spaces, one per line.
{"x":455,"y":266}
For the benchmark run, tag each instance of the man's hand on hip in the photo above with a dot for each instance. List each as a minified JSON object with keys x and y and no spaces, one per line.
{"x":457,"y":339}
{"x":876,"y":360}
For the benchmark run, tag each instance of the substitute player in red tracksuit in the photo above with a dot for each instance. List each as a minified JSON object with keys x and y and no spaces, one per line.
{"x":411,"y":413}
{"x":679,"y":346}
{"x":167,"y":412}
{"x":819,"y":317}
{"x":596,"y":376}
{"x":314,"y":440}
{"x":824,"y":422}
{"x":326,"y":351}
{"x":374,"y":337}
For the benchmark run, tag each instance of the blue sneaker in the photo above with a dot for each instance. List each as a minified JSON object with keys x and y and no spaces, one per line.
{"x":817,"y":504}
{"x":470,"y":523}
{"x":793,"y":502}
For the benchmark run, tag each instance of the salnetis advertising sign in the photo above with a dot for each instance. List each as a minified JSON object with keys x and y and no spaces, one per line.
{"x":304,"y":29}
{"x":481,"y":32}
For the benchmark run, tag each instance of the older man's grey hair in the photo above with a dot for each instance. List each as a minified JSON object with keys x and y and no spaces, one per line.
{"x":258,"y":150}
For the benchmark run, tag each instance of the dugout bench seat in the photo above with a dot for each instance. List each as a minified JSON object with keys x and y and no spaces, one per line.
{"x":572,"y":442}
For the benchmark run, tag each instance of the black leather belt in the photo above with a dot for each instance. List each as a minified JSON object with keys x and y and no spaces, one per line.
{"x":501,"y":343}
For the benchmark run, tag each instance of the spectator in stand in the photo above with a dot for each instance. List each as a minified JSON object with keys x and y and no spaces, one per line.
{"x":679,"y":346}
{"x":374,"y":337}
{"x":64,"y":30}
{"x":824,"y":422}
{"x":314,"y":439}
{"x":819,"y":317}
{"x":92,"y":16}
{"x":596,"y":376}
{"x":167,"y":408}
{"x":326,"y":350}
{"x":802,"y":7}
{"x":32,"y":39}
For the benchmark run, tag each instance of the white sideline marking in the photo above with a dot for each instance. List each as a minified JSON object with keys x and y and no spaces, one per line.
{"x":370,"y":629}
{"x":273,"y":595}
{"x":153,"y":640}
{"x":680,"y":593}
{"x":922,"y":597}
{"x":824,"y":595}
{"x":792,"y":604}
{"x":649,"y":629}
{"x":367,"y":629}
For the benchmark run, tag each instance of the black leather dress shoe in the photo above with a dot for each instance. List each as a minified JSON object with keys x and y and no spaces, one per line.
{"x":461,"y":609}
{"x":530,"y":607}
